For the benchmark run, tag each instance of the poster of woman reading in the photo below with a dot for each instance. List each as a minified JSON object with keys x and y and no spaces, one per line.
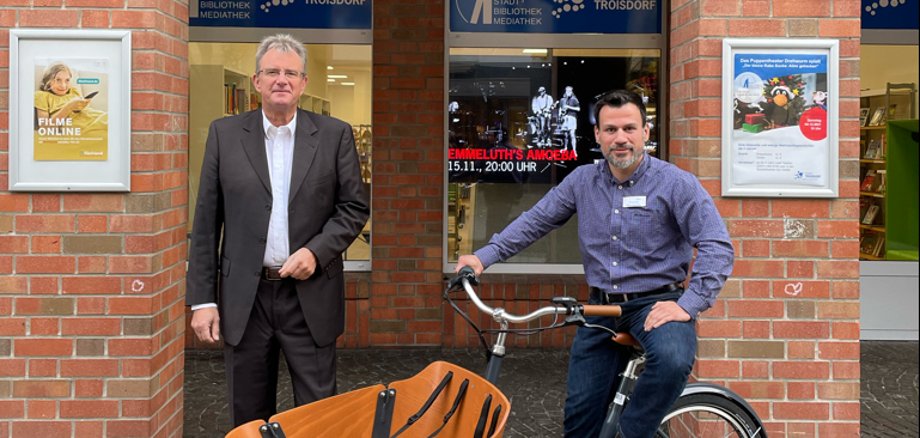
{"x":71,"y":110}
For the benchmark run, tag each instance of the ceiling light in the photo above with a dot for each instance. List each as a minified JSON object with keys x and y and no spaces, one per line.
{"x":348,"y":83}
{"x":330,"y":80}
{"x":337,"y":76}
{"x":534,"y":52}
{"x":329,"y":67}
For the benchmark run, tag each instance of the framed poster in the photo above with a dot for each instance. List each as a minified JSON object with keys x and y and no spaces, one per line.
{"x":780,"y":118}
{"x":70,"y":110}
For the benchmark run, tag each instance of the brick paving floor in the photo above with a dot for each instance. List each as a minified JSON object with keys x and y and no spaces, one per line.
{"x":534,"y":380}
{"x":889,"y":389}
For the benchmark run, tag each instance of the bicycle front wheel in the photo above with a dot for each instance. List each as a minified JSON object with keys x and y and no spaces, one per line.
{"x":705,"y":416}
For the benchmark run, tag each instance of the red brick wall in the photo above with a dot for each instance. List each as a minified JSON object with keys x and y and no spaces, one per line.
{"x":408,"y":199}
{"x":785,"y":333}
{"x":91,"y":284}
{"x":408,"y":187}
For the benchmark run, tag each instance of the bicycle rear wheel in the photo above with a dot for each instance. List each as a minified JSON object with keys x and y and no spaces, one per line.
{"x":706,"y":416}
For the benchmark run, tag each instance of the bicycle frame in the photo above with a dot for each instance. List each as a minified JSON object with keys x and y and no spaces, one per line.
{"x":627,"y":383}
{"x":575,"y":315}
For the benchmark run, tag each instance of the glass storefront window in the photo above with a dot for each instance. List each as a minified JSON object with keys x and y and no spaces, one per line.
{"x":888,"y":159}
{"x":339,"y":84}
{"x":519,"y":120}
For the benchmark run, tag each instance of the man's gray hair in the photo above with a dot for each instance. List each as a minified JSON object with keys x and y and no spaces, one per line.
{"x":283,"y":43}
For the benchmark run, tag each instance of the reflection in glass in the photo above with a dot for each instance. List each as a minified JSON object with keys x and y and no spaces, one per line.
{"x":518,"y":124}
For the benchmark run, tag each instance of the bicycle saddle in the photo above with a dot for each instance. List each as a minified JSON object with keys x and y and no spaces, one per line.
{"x":626,"y":339}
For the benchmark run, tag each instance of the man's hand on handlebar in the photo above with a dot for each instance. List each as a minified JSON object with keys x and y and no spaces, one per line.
{"x":471,"y":261}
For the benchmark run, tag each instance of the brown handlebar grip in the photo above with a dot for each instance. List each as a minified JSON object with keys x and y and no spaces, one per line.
{"x":598,"y":310}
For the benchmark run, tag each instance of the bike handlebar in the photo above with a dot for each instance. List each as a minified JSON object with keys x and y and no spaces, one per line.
{"x":467,"y":278}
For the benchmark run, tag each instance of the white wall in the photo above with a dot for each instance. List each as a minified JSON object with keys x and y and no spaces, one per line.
{"x":880,"y":64}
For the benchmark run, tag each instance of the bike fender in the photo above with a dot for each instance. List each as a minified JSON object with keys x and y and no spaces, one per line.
{"x":709,"y":388}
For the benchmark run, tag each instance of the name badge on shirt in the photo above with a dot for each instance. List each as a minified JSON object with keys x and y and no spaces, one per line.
{"x":633,"y":201}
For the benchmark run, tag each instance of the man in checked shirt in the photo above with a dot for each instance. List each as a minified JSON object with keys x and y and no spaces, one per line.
{"x":639,"y":220}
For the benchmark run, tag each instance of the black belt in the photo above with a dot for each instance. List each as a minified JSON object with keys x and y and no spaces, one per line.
{"x":617,"y":298}
{"x":271,"y":274}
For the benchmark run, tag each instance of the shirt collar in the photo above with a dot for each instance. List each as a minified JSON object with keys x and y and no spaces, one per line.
{"x":266,"y":125}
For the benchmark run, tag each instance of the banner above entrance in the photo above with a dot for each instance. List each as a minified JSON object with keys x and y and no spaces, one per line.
{"x":292,"y":14}
{"x":894,"y":14}
{"x":556,"y":16}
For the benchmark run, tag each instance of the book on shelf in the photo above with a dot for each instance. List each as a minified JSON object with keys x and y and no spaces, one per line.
{"x":881,"y":175}
{"x":871,"y":213}
{"x":874,"y":149}
{"x":867,"y":242}
{"x":878,"y":117}
{"x":868,"y":181}
{"x":872,"y":244}
{"x":863,"y":116}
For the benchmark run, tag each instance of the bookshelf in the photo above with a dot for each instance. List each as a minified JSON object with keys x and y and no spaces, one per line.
{"x":878,"y":110}
{"x":316,"y":104}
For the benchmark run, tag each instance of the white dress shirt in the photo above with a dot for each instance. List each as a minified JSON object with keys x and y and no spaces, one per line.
{"x":279,"y":149}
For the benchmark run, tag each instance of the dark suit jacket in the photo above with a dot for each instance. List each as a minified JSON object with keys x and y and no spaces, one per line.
{"x":328,"y":207}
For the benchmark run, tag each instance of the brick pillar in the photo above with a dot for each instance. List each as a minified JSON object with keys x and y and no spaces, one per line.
{"x":785,"y":334}
{"x":92,"y":284}
{"x":408,"y":188}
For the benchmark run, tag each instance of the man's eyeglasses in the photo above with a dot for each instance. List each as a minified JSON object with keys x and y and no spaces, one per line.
{"x":273,"y":73}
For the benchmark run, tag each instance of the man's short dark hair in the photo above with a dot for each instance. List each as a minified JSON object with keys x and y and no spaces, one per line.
{"x":618,"y":98}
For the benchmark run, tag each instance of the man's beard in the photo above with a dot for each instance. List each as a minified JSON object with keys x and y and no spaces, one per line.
{"x":622,"y":164}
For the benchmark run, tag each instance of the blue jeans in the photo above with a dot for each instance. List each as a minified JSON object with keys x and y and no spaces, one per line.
{"x":596,"y":362}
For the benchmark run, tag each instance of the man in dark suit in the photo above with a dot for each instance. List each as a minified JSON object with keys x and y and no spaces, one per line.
{"x":281,"y":197}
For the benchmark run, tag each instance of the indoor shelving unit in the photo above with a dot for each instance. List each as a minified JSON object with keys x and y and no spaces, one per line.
{"x":316,"y":104}
{"x":879,"y":109}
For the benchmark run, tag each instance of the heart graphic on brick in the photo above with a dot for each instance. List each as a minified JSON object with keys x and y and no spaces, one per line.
{"x":793,"y":289}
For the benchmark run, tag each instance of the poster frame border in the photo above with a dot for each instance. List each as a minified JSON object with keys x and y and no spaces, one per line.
{"x":831,"y":49}
{"x":22,"y":180}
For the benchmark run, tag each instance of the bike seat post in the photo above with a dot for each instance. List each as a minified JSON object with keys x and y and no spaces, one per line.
{"x":624,"y":391}
{"x":632,"y":367}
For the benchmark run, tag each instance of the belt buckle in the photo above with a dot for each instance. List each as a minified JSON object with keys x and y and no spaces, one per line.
{"x":271,"y":274}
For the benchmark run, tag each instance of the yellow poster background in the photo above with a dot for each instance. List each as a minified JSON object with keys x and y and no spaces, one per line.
{"x":71,"y":119}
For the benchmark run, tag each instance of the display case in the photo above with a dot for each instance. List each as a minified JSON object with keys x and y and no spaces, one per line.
{"x":878,"y":110}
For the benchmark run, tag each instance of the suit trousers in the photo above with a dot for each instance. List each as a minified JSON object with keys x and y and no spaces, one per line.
{"x":276,"y":325}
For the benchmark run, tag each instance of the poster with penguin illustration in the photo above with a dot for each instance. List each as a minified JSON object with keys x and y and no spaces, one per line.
{"x":780,"y":123}
{"x":780,"y":115}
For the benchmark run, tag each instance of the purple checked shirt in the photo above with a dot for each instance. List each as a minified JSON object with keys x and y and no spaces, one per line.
{"x":635,"y":235}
